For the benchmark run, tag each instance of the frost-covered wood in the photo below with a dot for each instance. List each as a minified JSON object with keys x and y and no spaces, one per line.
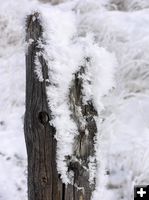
{"x":43,"y":179}
{"x":83,"y":115}
{"x":44,"y":182}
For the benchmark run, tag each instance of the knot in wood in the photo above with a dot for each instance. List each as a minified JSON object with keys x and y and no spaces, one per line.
{"x":44,"y":180}
{"x":43,"y":117}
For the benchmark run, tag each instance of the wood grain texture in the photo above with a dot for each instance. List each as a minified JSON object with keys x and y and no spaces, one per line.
{"x":84,"y":116}
{"x":43,"y":179}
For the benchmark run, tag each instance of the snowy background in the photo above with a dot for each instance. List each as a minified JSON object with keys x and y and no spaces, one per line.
{"x":115,"y":34}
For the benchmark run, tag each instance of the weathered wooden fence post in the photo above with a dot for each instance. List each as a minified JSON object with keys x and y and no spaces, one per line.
{"x":43,"y":179}
{"x":84,"y":116}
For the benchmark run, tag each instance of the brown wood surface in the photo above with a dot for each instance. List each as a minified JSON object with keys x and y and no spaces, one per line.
{"x":43,"y":180}
{"x":84,"y":143}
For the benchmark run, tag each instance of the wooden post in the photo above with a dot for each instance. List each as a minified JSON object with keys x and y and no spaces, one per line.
{"x":43,"y":179}
{"x":84,"y":116}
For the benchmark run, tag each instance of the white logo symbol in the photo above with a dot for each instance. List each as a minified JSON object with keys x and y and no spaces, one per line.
{"x":141,"y":192}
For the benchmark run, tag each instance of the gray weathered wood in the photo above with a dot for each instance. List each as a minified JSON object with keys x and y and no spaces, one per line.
{"x":84,"y":116}
{"x":43,"y":180}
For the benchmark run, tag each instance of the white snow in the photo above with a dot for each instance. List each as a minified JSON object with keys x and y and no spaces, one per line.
{"x":65,"y":54}
{"x":12,"y":89}
{"x":114,"y":34}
